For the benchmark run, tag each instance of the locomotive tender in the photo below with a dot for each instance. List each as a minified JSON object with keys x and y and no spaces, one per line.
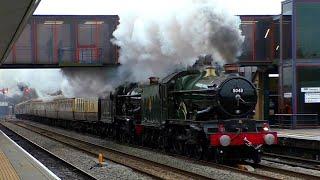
{"x":195,"y":113}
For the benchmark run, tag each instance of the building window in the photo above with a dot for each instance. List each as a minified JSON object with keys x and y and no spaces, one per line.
{"x":307,"y":85}
{"x":286,"y":95}
{"x":263,"y":40}
{"x":286,"y":29}
{"x":247,"y":28}
{"x":308,"y":94}
{"x":308,"y":30}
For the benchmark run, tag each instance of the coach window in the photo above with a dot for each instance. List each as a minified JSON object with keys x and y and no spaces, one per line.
{"x":82,"y":106}
{"x":77,"y":105}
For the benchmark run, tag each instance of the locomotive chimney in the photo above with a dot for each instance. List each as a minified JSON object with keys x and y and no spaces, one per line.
{"x":210,"y":71}
{"x":231,"y":68}
{"x":153,"y":80}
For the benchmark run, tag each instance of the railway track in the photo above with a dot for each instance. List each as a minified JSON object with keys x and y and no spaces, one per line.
{"x":150,"y":168}
{"x":75,"y":169}
{"x":274,"y":172}
{"x":286,"y":172}
{"x":161,"y":171}
{"x":292,"y":161}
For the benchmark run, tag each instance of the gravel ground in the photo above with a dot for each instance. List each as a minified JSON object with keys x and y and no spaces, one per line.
{"x":184,"y":164}
{"x":275,"y":175}
{"x":80,"y":159}
{"x":296,"y":169}
{"x":61,"y":169}
{"x":154,"y":156}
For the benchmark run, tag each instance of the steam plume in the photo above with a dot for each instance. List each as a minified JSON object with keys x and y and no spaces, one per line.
{"x":90,"y":82}
{"x":156,"y":41}
{"x":32,"y":83}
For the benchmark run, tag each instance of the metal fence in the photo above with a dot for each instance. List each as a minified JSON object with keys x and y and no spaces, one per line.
{"x":302,"y":120}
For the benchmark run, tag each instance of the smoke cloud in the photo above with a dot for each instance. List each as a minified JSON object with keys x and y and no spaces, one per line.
{"x":43,"y":81}
{"x":90,"y":82}
{"x":47,"y":84}
{"x":24,"y":84}
{"x":157,"y":40}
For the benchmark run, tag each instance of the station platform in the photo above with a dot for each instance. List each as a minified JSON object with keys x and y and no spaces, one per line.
{"x":17,"y":164}
{"x":304,"y":134}
{"x":299,"y":138}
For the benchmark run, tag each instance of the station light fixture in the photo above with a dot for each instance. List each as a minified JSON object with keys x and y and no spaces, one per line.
{"x":93,"y":22}
{"x":267,"y":33}
{"x":53,"y":22}
{"x":277,"y":48}
{"x":248,"y":22}
{"x":273,"y":75}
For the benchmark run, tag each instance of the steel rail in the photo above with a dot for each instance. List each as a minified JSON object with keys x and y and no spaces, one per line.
{"x":293,"y":161}
{"x":286,"y":172}
{"x":144,"y":166}
{"x":50,"y":153}
{"x":51,"y":135}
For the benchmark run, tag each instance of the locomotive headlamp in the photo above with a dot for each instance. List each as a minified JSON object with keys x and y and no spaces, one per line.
{"x":265,"y":127}
{"x":269,"y":139}
{"x":225,"y":140}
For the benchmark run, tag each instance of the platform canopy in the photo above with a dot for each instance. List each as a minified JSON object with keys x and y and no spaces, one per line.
{"x":13,"y":17}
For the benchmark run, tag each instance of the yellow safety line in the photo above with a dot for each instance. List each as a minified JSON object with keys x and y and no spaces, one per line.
{"x":7,"y":171}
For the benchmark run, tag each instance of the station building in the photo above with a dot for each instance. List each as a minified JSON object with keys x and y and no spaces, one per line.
{"x":281,"y":55}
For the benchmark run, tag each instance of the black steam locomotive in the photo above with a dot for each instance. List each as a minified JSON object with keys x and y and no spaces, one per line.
{"x":194,"y":113}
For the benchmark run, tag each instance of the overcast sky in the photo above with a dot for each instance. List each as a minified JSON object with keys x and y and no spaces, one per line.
{"x":105,"y":7}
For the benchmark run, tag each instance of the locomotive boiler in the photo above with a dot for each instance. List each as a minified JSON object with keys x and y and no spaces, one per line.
{"x":202,"y":96}
{"x":197,"y":113}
